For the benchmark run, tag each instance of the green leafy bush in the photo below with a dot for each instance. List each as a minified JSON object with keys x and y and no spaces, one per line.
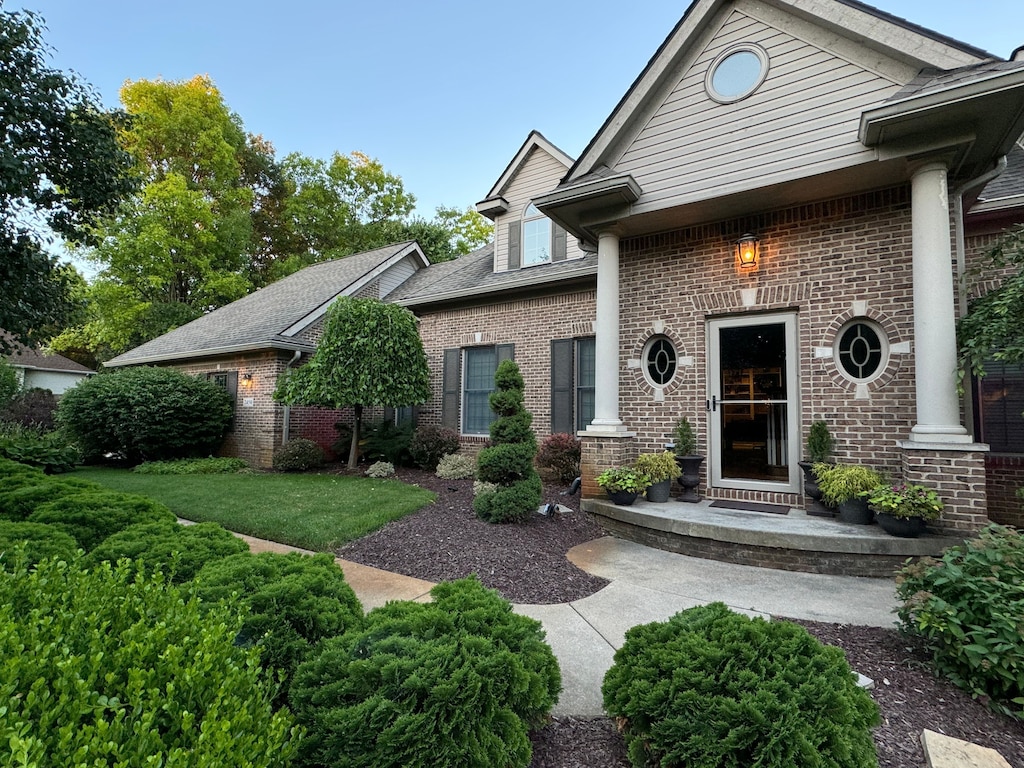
{"x":50,"y":451}
{"x":207,"y":466}
{"x":179,"y":551}
{"x":23,"y":498}
{"x":291,"y":602}
{"x":559,"y":454}
{"x":454,"y":683}
{"x":9,"y":384}
{"x":90,"y":516}
{"x":710,"y":687}
{"x":108,"y":666}
{"x":380,"y":469}
{"x":967,"y":606}
{"x":384,"y":441}
{"x":298,"y":455}
{"x":456,"y":466}
{"x":147,"y":414}
{"x":38,"y":541}
{"x":33,"y":407}
{"x":430,"y":444}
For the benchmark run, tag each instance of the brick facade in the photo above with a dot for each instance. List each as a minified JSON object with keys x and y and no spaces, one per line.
{"x":1004,"y":475}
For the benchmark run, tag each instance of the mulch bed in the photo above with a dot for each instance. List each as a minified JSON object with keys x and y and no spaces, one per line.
{"x":527,"y":564}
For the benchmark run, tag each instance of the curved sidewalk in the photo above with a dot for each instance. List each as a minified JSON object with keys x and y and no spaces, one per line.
{"x":646,"y":585}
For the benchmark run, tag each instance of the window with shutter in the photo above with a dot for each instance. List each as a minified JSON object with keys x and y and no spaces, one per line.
{"x":999,"y":403}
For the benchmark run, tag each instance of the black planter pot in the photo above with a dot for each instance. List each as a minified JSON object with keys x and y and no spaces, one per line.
{"x":690,"y":479}
{"x":622,"y":498}
{"x":855,"y":511}
{"x":660,"y":492}
{"x":904,"y":527}
{"x":815,"y":506}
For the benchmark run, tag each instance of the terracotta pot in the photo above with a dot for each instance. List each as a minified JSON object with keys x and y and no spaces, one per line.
{"x":622,"y":498}
{"x":660,"y":492}
{"x":690,"y":479}
{"x":904,"y":527}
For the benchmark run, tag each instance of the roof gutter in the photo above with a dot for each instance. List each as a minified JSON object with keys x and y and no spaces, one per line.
{"x":211,"y":352}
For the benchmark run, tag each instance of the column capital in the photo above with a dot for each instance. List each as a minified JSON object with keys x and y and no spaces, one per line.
{"x":611,"y":230}
{"x":930,"y":163}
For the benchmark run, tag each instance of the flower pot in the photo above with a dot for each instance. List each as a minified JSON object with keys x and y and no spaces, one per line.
{"x":660,"y":491}
{"x":855,"y":511}
{"x":815,"y":506}
{"x":622,"y":498}
{"x":690,"y":479}
{"x":904,"y":527}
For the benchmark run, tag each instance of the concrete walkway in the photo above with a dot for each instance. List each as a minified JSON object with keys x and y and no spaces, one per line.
{"x":646,"y":585}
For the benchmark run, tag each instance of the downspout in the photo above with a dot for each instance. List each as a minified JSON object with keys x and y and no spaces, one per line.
{"x":287,"y":421}
{"x":961,"y":262}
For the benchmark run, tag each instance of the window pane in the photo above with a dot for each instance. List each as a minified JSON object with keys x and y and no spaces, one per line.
{"x":480,"y":365}
{"x":1001,"y":405}
{"x":586,"y":367}
{"x":536,"y":241}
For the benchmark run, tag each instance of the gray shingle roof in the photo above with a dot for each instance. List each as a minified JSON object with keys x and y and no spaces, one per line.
{"x":473,"y":275}
{"x":257,"y":321}
{"x":26,"y":357}
{"x":935,"y":79}
{"x":1010,"y":183}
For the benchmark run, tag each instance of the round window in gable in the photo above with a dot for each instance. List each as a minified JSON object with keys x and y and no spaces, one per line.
{"x":861,"y":350}
{"x":660,"y":360}
{"x":736,"y":73}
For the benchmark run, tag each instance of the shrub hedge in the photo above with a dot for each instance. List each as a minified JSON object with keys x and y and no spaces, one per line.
{"x":23,"y":498}
{"x":559,"y":455}
{"x":107,"y":666}
{"x":90,"y":516}
{"x":710,"y":687}
{"x":33,"y":407}
{"x":430,"y":444}
{"x":298,"y":455}
{"x":454,"y":683}
{"x":38,"y":541}
{"x":967,"y":606}
{"x":456,"y":466}
{"x":207,"y":466}
{"x":146,"y":414}
{"x":179,"y":551}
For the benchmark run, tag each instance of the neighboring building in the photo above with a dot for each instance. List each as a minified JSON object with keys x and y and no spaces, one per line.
{"x":46,"y":370}
{"x":848,"y":144}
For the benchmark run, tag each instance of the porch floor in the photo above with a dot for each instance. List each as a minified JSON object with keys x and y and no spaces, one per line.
{"x":795,"y":541}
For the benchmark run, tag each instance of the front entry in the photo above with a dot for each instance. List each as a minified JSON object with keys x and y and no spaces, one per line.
{"x":752,"y":403}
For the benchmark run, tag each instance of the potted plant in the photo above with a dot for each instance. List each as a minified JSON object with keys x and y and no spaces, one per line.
{"x":685,"y":449}
{"x":846,"y":486}
{"x":904,"y":510}
{"x":623,"y":484}
{"x":819,"y":451}
{"x":661,"y":469}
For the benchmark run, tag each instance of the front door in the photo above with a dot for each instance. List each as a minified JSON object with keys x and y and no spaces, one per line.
{"x":752,"y":403}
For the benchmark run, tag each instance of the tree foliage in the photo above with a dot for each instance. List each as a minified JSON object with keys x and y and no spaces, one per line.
{"x":370,"y":354}
{"x":994,"y":325}
{"x":60,"y":167}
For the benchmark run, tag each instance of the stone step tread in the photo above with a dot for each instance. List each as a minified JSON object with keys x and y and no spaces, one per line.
{"x":943,"y":751}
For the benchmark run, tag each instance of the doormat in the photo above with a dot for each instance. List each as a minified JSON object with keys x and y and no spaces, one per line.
{"x":751,"y":506}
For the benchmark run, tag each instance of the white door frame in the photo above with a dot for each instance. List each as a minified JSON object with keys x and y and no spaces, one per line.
{"x":792,"y":401}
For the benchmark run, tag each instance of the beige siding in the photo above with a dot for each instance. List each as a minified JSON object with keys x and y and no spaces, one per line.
{"x":396,"y":275}
{"x":540,"y":173}
{"x":802,"y":121}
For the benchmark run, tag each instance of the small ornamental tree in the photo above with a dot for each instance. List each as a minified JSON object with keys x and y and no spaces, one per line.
{"x":508,"y":461}
{"x":370,"y":354}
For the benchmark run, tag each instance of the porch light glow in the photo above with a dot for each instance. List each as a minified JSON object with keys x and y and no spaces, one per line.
{"x":247,"y":378}
{"x":748,"y":249}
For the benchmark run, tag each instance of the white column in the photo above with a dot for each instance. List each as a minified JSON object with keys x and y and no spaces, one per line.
{"x":938,"y":405}
{"x":606,"y":331}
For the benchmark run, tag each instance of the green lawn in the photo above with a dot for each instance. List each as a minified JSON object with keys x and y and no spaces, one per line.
{"x":317,"y":512}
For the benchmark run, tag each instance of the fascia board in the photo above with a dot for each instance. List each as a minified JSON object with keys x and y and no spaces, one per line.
{"x":211,"y":352}
{"x":528,"y":282}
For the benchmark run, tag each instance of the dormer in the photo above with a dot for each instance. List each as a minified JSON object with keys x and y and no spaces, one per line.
{"x":523,"y":236}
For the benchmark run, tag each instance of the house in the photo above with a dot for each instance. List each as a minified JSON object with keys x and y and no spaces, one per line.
{"x":246,"y":345}
{"x":769,"y":229}
{"x":38,"y":369}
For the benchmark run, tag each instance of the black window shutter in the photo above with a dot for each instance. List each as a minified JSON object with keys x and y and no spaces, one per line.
{"x":451,"y":389}
{"x":506,"y":352}
{"x":562,"y":386}
{"x":557,"y":243}
{"x":514,"y":249}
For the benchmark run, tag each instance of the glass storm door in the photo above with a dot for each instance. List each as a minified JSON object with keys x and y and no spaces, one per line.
{"x":752,"y":403}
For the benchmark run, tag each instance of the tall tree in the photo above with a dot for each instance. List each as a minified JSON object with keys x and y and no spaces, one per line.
{"x":60,"y":167}
{"x":370,"y":354}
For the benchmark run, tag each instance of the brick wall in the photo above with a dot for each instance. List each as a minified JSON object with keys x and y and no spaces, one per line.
{"x":959,"y":479}
{"x":1004,"y":474}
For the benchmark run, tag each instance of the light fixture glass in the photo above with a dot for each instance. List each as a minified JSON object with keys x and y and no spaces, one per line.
{"x":748,"y":250}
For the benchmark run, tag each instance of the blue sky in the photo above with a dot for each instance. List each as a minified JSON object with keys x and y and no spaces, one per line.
{"x":443,"y":93}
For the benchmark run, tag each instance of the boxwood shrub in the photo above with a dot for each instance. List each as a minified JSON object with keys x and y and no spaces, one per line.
{"x":710,"y":687}
{"x":146,"y":414}
{"x":454,"y":683}
{"x":298,"y":455}
{"x":90,"y":516}
{"x":20,"y":501}
{"x":107,"y":666}
{"x":967,"y":606}
{"x":180,"y":551}
{"x":38,"y":541}
{"x":291,"y":602}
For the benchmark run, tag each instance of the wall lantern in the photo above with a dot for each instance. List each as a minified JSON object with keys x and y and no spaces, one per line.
{"x":247,"y":378}
{"x":748,"y":249}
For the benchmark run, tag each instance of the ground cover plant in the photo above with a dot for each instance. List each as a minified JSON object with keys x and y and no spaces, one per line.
{"x":51,"y":451}
{"x":208,"y":466}
{"x":90,"y":516}
{"x":456,"y":683}
{"x":315,"y":512}
{"x":711,"y":687}
{"x":109,"y":666}
{"x":37,"y":540}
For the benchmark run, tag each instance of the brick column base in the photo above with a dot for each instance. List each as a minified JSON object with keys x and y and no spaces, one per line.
{"x":958,"y":474}
{"x":600,"y":452}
